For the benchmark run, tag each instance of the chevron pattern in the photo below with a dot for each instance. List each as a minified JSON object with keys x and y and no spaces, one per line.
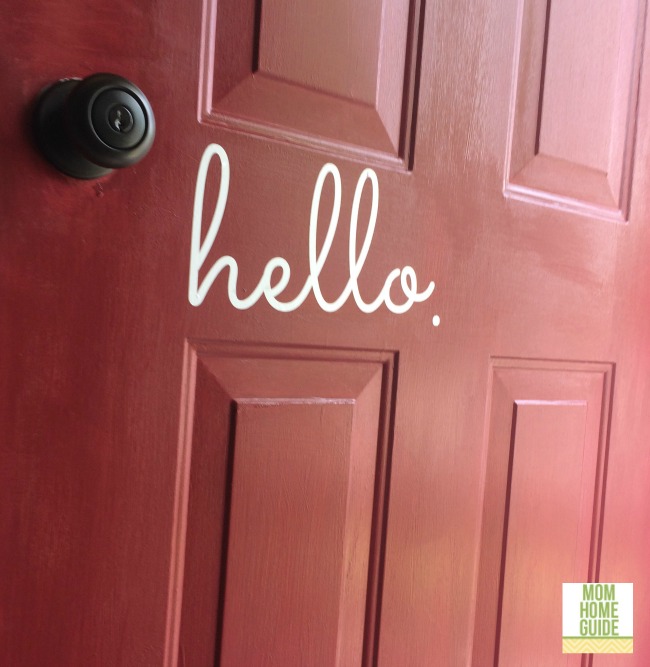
{"x":586,"y":645}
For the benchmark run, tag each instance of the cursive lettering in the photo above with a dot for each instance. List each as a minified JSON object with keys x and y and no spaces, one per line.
{"x":272,"y":288}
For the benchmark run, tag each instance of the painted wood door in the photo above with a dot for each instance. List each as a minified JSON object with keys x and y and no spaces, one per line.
{"x":352,"y":469}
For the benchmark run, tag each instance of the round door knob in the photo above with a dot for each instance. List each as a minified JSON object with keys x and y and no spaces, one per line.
{"x":88,"y":127}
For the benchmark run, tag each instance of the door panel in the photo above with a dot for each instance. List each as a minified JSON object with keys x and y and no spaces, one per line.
{"x":299,"y":476}
{"x":547,"y":435}
{"x":341,"y":78}
{"x":348,"y":469}
{"x":573,"y":114}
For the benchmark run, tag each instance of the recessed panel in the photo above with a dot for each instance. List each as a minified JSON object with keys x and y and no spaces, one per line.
{"x":328,"y":46}
{"x":299,"y":538}
{"x":549,"y":511}
{"x":546,"y":446}
{"x":573,"y":111}
{"x":337,"y":76}
{"x":579,"y":81}
{"x":286,"y":480}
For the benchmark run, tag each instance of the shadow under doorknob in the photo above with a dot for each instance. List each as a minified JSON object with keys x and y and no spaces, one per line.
{"x":88,"y":127}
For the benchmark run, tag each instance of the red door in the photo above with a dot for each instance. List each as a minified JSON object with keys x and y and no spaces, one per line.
{"x":238,"y":425}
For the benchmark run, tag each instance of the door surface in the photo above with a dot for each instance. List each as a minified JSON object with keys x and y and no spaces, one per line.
{"x":238,"y":424}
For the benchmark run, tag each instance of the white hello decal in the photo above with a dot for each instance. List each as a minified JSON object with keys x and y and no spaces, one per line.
{"x":270,"y":288}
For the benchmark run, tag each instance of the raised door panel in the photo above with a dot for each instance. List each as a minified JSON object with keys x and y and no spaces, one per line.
{"x":547,"y":436}
{"x":573,"y":113}
{"x":285,"y":458}
{"x":340,"y":77}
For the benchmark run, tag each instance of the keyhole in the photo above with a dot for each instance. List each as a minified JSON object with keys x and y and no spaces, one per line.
{"x":120,"y":118}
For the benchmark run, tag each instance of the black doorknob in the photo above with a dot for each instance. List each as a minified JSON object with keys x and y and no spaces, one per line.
{"x":88,"y":127}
